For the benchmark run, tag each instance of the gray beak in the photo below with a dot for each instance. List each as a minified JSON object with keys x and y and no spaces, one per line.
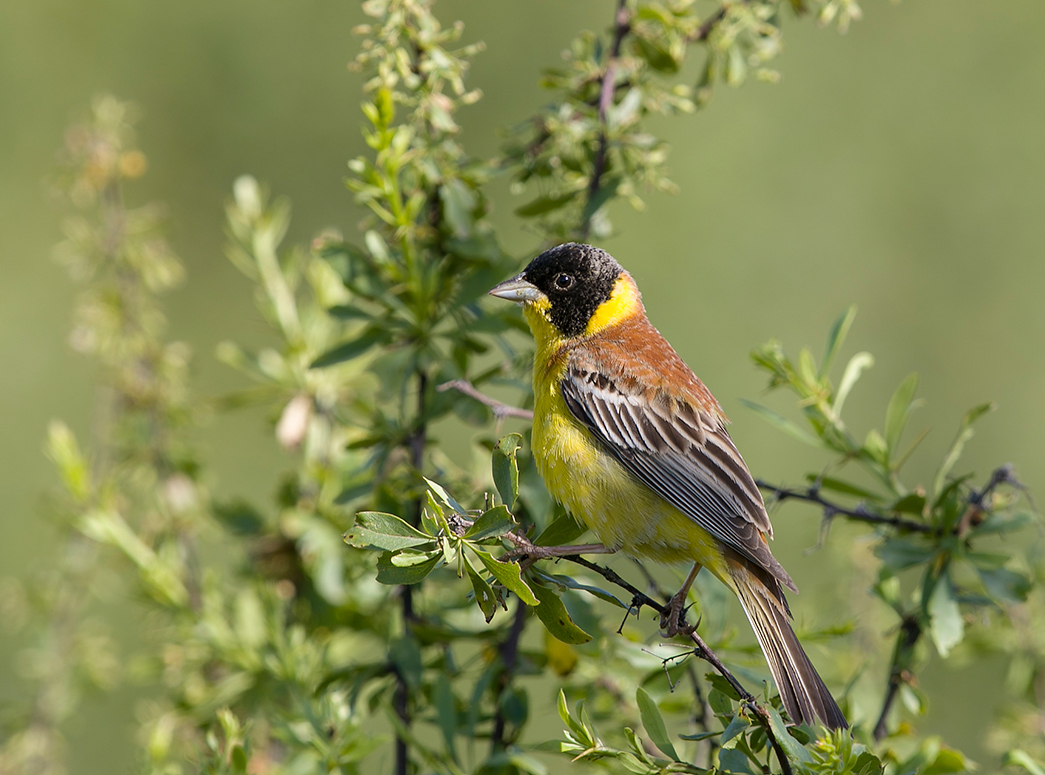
{"x":518,"y":290}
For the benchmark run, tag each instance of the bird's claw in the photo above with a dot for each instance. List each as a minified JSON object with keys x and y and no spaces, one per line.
{"x":673,"y":621}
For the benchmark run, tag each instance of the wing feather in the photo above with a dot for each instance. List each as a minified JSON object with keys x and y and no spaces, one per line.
{"x":681,"y":451}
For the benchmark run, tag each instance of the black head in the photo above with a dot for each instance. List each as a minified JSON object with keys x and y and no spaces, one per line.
{"x":576,"y":279}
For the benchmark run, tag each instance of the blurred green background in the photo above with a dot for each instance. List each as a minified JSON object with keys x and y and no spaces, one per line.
{"x":900,"y":167}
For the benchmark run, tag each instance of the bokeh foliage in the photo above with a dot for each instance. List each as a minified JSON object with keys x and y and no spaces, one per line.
{"x":287,"y":650}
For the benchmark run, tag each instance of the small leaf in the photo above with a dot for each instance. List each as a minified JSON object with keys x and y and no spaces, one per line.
{"x":444,"y":498}
{"x":856,"y":366}
{"x":946,"y":627}
{"x":948,"y":761}
{"x":719,"y":682}
{"x":720,"y":704}
{"x":835,"y":339}
{"x":1006,"y":585}
{"x":569,"y":583}
{"x":508,"y":576}
{"x":1018,"y":758}
{"x":900,"y":407}
{"x":544,"y":204}
{"x":734,"y":728}
{"x":561,"y":532}
{"x":794,"y":750}
{"x":784,"y":424}
{"x":485,"y":597}
{"x":391,"y":571}
{"x":913,"y":503}
{"x":732,"y":760}
{"x":658,"y":58}
{"x":506,"y":468}
{"x":348,"y":350}
{"x":606,"y":191}
{"x":965,"y":432}
{"x":384,"y":531}
{"x":876,"y":448}
{"x":839,"y":485}
{"x":495,"y":522}
{"x":555,"y":618}
{"x":902,"y":552}
{"x":654,"y":724}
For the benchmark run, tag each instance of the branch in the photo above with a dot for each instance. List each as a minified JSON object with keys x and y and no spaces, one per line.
{"x":500,"y":410}
{"x":860,"y":513}
{"x":622,"y":26}
{"x":910,"y":633}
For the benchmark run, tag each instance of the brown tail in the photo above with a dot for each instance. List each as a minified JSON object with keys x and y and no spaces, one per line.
{"x":800,"y":686}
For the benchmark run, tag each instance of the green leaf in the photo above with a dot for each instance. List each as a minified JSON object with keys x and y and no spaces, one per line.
{"x":794,"y":750}
{"x":607,"y":190}
{"x":734,"y":728}
{"x":657,"y":57}
{"x":570,"y":583}
{"x":1006,"y":585}
{"x":899,"y":410}
{"x":910,"y":504}
{"x":348,"y":350}
{"x":392,"y":570}
{"x":1000,"y":522}
{"x":507,"y":575}
{"x":561,"y":532}
{"x":445,"y":499}
{"x":719,"y":682}
{"x":384,"y":531}
{"x":720,"y":704}
{"x":654,"y":724}
{"x":544,"y":204}
{"x":946,"y":626}
{"x":506,"y":468}
{"x":856,"y":366}
{"x":876,"y":448}
{"x":948,"y":761}
{"x":902,"y":552}
{"x":835,"y":339}
{"x":459,"y":202}
{"x":495,"y":522}
{"x":784,"y":424}
{"x":485,"y":597}
{"x":839,"y":485}
{"x":732,"y":760}
{"x":1019,"y":758}
{"x":965,"y":432}
{"x":555,"y":618}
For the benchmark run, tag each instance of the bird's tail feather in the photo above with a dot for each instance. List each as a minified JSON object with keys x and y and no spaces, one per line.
{"x":802,"y":690}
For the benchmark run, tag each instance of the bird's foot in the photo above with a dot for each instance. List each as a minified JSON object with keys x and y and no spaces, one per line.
{"x":673,"y":621}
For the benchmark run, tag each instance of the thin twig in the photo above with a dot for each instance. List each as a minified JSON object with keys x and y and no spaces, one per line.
{"x":910,"y":632}
{"x":859,"y":513}
{"x":500,"y":410}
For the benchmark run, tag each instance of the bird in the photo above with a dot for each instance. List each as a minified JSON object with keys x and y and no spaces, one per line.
{"x":635,"y":447}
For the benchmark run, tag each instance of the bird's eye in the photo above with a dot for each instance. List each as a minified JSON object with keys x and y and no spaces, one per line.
{"x":564,"y":282}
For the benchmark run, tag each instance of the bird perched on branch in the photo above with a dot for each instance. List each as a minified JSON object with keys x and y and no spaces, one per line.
{"x":630,"y":441}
